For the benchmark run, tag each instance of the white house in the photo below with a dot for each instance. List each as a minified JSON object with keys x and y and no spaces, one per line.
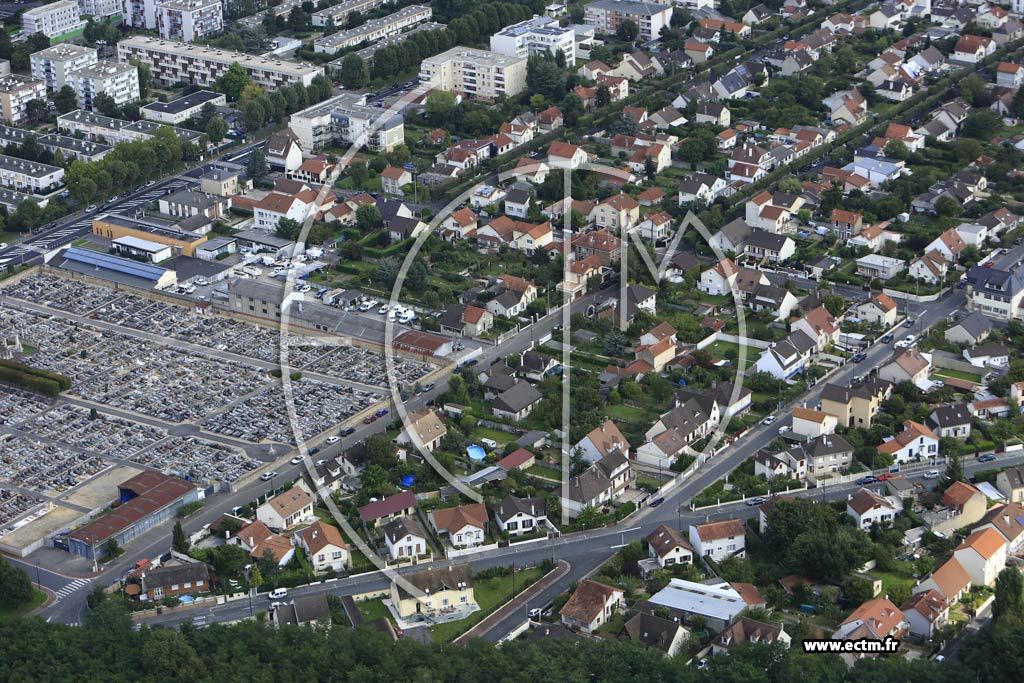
{"x":602,"y":441}
{"x":719,"y":540}
{"x":405,"y":538}
{"x":669,"y":547}
{"x":590,"y":606}
{"x":521,"y":516}
{"x":868,"y":508}
{"x":915,"y":441}
{"x":465,"y":526}
{"x":324,"y":547}
{"x":294,"y":506}
{"x":983,"y":556}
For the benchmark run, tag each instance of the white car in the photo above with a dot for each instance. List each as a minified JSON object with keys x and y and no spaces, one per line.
{"x":3,"y":245}
{"x":770,"y":419}
{"x":333,"y":439}
{"x":906,"y":342}
{"x":365,"y":306}
{"x":931,"y":474}
{"x":305,"y":288}
{"x":383,"y":309}
{"x":296,"y":460}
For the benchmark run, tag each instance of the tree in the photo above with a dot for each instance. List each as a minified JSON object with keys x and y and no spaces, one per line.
{"x":288,"y":228}
{"x":145,"y":78}
{"x":834,"y":304}
{"x":544,"y":77}
{"x":216,"y":129}
{"x":947,"y":206}
{"x":354,"y":73}
{"x":897,"y":150}
{"x":416,"y":278}
{"x":255,"y":578}
{"x":178,"y":540}
{"x":627,"y":30}
{"x":36,"y":110}
{"x":113,"y":548}
{"x":358,"y":173}
{"x":954,"y":471}
{"x":982,"y":125}
{"x":1009,"y":593}
{"x":439,"y":106}
{"x":256,"y":167}
{"x":229,"y":561}
{"x":15,"y":586}
{"x":66,"y":99}
{"x":254,"y":115}
{"x":791,"y":185}
{"x":232,"y":81}
{"x":604,"y":96}
{"x":368,"y":217}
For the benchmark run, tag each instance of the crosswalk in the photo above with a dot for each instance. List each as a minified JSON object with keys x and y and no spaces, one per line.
{"x":72,"y":587}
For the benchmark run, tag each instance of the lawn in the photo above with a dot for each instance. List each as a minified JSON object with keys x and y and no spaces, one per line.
{"x":891,"y":579}
{"x":490,"y":595}
{"x":493,"y":434}
{"x":623,"y":412}
{"x":957,"y":374}
{"x":374,"y":609}
{"x":38,"y":598}
{"x":544,"y":471}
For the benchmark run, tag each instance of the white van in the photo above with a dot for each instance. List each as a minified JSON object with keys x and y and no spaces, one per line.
{"x":278,"y":593}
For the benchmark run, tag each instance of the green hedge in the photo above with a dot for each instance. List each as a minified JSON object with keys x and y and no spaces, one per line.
{"x":33,"y":379}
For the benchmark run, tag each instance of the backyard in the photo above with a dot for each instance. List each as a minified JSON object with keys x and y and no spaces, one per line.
{"x":490,"y":594}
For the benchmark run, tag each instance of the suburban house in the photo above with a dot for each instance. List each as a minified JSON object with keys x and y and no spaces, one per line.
{"x":324,"y":547}
{"x":435,"y":591}
{"x":172,"y":580}
{"x":602,"y":441}
{"x":302,"y":611}
{"x":820,"y":325}
{"x":854,"y":406}
{"x":1010,"y":483}
{"x":952,"y":420}
{"x":591,"y":605}
{"x":257,"y":539}
{"x":747,"y":630}
{"x":764,"y":246}
{"x":516,"y":402}
{"x":869,"y":508}
{"x":423,"y":427}
{"x":521,"y":516}
{"x":876,"y":619}
{"x":987,"y":355}
{"x":915,"y":441}
{"x":405,"y":538}
{"x":983,"y":556}
{"x":926,"y":613}
{"x":950,"y":581}
{"x":813,"y":423}
{"x":393,"y":179}
{"x":966,"y":502}
{"x":719,"y":540}
{"x":786,"y":357}
{"x":294,"y":506}
{"x":879,"y":310}
{"x":467,"y":320}
{"x":656,"y":632}
{"x":1008,"y":520}
{"x":465,"y":525}
{"x":668,"y":546}
{"x":906,"y":365}
{"x":718,"y":604}
{"x":399,"y":505}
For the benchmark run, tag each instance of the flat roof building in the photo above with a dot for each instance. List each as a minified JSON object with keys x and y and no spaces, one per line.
{"x":73,"y":148}
{"x":117,"y":79}
{"x":54,"y":65}
{"x":470,"y":72}
{"x":367,"y":52}
{"x":154,"y":252}
{"x":189,"y":20}
{"x":55,"y":20}
{"x":113,"y":131}
{"x":29,"y":176}
{"x":182,"y":109}
{"x":539,"y":35}
{"x":348,"y":119}
{"x":16,"y":91}
{"x":373,"y":30}
{"x":172,"y":62}
{"x":113,"y":226}
{"x":606,"y":15}
{"x":337,"y":15}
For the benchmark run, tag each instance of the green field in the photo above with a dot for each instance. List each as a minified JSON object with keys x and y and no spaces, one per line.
{"x":38,"y":598}
{"x":957,"y":374}
{"x":374,"y":609}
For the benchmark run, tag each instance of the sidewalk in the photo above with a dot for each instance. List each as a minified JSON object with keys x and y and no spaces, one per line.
{"x":516,"y":603}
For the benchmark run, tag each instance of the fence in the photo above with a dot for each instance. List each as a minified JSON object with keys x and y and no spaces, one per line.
{"x":733,"y":339}
{"x":462,"y":552}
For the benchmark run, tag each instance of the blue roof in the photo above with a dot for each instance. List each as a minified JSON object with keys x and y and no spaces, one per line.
{"x":100,"y":259}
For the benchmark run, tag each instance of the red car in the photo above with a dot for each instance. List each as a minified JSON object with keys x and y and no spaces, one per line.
{"x":369,"y":419}
{"x":886,"y":476}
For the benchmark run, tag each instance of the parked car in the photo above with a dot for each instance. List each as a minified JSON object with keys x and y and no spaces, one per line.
{"x":859,"y":357}
{"x":382,"y":412}
{"x":348,"y":431}
{"x":267,"y":476}
{"x":886,"y":338}
{"x":885,"y":476}
{"x":657,"y":501}
{"x":369,"y":419}
{"x":908,"y":323}
{"x":988,"y":457}
{"x":278,"y":593}
{"x":296,"y":460}
{"x":770,"y":419}
{"x":333,"y":439}
{"x":931,"y":474}
{"x":429,"y":386}
{"x":868,"y":479}
{"x":751,"y":502}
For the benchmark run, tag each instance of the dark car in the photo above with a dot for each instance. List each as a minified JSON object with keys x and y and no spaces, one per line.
{"x":657,"y":501}
{"x":886,"y":338}
{"x":908,"y":323}
{"x":382,"y":412}
{"x":348,"y":431}
{"x":470,"y":363}
{"x":988,"y":457}
{"x":961,"y":285}
{"x":369,"y":419}
{"x":869,"y":479}
{"x":859,"y":357}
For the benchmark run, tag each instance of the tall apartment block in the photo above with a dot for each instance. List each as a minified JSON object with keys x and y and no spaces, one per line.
{"x":189,"y":20}
{"x":54,"y":20}
{"x":481,"y":74}
{"x":100,"y":9}
{"x":172,"y":62}
{"x":117,"y":79}
{"x":54,"y":65}
{"x":535,"y":36}
{"x":16,"y":92}
{"x":346,"y":118}
{"x":373,"y":30}
{"x":606,"y":15}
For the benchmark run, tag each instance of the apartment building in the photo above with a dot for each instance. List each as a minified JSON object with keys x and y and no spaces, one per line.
{"x":346,"y":118}
{"x":538,"y":35}
{"x":182,"y":109}
{"x":139,"y":13}
{"x":172,"y":62}
{"x":113,"y":131}
{"x":70,"y":148}
{"x":338,"y":14}
{"x":54,"y":20}
{"x":606,"y":15}
{"x":117,"y":79}
{"x":481,"y":74}
{"x":100,"y":9}
{"x":189,"y":20}
{"x":29,"y":176}
{"x":374,"y":30}
{"x":54,"y":65}
{"x":15,"y":93}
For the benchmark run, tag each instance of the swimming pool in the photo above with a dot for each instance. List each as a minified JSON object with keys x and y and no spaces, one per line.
{"x":476,"y":453}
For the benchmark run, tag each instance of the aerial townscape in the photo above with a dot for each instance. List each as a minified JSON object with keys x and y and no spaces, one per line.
{"x":598,"y":340}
